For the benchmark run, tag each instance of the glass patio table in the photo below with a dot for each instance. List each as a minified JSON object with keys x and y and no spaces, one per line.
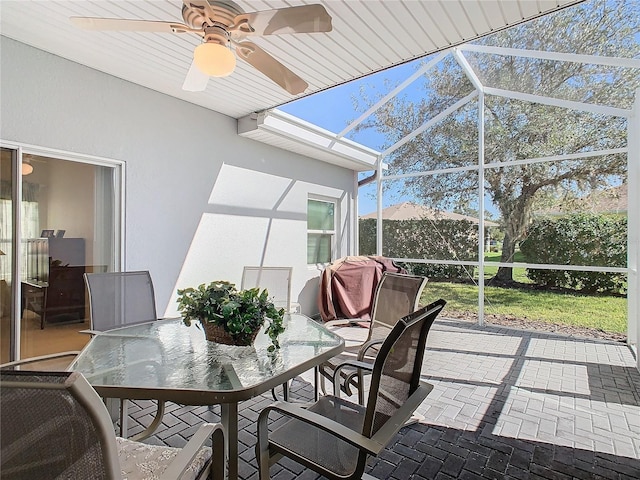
{"x":166,"y":360}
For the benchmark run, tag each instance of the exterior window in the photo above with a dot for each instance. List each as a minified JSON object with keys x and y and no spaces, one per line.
{"x":321,"y":230}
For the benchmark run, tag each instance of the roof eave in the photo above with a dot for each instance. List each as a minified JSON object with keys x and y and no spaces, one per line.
{"x":288,"y":132}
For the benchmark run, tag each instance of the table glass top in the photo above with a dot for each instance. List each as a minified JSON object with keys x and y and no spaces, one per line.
{"x":167,"y":354}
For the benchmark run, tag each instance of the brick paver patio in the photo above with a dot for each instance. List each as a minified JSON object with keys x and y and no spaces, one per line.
{"x":507,"y":403}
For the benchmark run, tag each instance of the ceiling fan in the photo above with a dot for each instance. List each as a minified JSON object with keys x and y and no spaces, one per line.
{"x":223,"y":24}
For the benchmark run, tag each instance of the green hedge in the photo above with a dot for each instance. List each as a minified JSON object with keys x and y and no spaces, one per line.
{"x":429,"y":239}
{"x":581,"y":239}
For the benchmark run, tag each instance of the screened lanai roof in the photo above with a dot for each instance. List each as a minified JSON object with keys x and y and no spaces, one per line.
{"x":413,"y":81}
{"x":497,"y":81}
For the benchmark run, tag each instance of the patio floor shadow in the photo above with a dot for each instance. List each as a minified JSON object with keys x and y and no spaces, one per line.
{"x":507,"y":403}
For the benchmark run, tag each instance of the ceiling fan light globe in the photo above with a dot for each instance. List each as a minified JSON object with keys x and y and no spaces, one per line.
{"x":27,"y":168}
{"x":214,"y":59}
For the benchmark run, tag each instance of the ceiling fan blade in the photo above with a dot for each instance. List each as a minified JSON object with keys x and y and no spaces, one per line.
{"x":196,"y":80}
{"x":300,"y":19}
{"x":89,"y":23}
{"x":272,"y":68}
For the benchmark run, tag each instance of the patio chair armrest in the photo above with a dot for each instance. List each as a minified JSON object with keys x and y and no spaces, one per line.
{"x":357,"y":364}
{"x":181,"y":462}
{"x":395,"y":423}
{"x":366,"y":346}
{"x":348,"y":376}
{"x":340,"y":322}
{"x":41,"y":358}
{"x":90,"y":332}
{"x":336,"y":429}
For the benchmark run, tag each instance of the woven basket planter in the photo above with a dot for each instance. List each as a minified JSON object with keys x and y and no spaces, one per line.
{"x":216,"y":333}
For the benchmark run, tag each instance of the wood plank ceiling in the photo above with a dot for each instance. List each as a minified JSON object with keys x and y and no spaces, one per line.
{"x":367,"y":36}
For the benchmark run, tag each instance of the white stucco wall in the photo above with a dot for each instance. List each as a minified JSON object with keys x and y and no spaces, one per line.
{"x":201,"y":201}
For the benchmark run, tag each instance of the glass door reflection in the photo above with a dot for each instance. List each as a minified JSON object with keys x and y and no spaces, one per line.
{"x":69,"y":225}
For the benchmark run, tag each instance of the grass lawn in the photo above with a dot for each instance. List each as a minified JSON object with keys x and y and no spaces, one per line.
{"x":604,"y":312}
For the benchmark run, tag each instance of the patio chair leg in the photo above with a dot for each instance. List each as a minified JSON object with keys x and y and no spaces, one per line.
{"x":124,"y":417}
{"x":321,"y":383}
{"x":360,"y":388}
{"x":262,"y":448}
{"x":153,"y":426}
{"x":218,"y":466}
{"x":285,"y":393}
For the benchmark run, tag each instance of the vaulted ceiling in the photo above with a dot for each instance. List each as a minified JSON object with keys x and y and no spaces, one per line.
{"x":367,"y":36}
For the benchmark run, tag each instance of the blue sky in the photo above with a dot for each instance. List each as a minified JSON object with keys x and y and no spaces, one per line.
{"x":333,"y":109}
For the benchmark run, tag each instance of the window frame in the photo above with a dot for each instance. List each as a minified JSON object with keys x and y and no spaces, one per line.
{"x":332,"y":233}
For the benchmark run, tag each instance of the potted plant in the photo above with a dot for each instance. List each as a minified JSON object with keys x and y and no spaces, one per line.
{"x":230,"y":316}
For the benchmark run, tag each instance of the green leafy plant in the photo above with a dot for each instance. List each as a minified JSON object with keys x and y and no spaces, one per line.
{"x":239,"y":313}
{"x":578,"y":239}
{"x":417,"y":239}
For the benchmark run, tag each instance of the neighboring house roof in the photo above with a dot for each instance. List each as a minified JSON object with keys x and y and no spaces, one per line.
{"x":610,"y":200}
{"x":413,"y":211}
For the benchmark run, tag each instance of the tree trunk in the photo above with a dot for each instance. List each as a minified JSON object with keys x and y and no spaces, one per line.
{"x":505,"y":274}
{"x":515,"y":226}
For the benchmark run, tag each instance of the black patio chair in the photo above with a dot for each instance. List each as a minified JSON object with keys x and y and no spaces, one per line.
{"x":54,"y":425}
{"x":334,"y":436}
{"x":396,"y":296}
{"x":118,"y":299}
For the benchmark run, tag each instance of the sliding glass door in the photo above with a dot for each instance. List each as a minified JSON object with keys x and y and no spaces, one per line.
{"x":67,"y":223}
{"x":8,"y":163}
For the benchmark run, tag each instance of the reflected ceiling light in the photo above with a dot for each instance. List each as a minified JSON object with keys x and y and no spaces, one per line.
{"x":27,"y":168}
{"x":214,"y":57}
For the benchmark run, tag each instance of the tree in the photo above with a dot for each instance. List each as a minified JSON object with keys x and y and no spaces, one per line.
{"x":514,"y":129}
